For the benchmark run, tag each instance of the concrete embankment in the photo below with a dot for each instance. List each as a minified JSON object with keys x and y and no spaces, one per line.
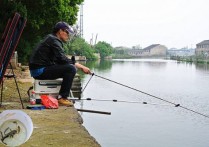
{"x":60,"y":127}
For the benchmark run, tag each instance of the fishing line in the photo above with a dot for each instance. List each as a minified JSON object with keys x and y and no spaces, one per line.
{"x":176,"y":105}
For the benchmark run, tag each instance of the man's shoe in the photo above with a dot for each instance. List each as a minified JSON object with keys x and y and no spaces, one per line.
{"x":65,"y":102}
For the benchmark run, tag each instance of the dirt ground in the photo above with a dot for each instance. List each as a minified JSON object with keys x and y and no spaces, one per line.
{"x":60,"y":127}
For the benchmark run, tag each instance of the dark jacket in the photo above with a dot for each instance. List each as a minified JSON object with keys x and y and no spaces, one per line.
{"x":49,"y":52}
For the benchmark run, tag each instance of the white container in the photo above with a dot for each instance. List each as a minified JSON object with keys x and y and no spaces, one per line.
{"x":47,"y":86}
{"x":16,"y":127}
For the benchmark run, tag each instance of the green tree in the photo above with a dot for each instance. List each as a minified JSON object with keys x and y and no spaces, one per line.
{"x":105,"y":49}
{"x":78,"y":46}
{"x":41,"y":17}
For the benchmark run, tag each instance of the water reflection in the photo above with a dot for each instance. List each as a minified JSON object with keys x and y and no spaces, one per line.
{"x":202,"y":66}
{"x":101,"y":65}
{"x":179,"y":82}
{"x":151,"y":63}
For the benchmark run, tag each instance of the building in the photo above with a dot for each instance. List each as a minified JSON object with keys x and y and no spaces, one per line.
{"x":181,"y":52}
{"x":150,"y":51}
{"x":202,"y":48}
{"x":135,"y":52}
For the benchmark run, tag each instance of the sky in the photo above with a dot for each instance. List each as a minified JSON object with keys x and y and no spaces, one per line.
{"x":173,"y":23}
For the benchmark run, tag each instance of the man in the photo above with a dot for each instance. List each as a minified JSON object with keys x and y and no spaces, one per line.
{"x":48,"y":61}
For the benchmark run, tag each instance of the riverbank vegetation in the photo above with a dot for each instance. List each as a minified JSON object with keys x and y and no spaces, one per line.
{"x":191,"y":59}
{"x":120,"y":53}
{"x":41,"y":17}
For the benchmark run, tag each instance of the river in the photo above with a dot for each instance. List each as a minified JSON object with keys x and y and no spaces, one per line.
{"x":134,"y":123}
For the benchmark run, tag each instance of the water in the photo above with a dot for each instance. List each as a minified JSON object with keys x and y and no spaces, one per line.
{"x":157,"y":123}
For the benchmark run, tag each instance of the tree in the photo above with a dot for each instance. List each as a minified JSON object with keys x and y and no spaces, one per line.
{"x":79,"y":47}
{"x":41,"y":17}
{"x":105,"y":49}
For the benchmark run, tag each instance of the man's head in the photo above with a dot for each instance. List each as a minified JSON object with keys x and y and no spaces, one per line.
{"x":63,"y":31}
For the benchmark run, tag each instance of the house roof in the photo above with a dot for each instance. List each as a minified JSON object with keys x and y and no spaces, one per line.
{"x":151,"y":46}
{"x":205,"y":42}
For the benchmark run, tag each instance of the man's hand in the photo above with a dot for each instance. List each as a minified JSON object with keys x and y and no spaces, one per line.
{"x":85,"y":69}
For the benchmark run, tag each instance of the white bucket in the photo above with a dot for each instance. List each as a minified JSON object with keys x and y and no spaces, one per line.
{"x":16,"y":127}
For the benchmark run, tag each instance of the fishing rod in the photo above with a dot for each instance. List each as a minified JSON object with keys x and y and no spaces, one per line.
{"x":87,"y":82}
{"x":122,"y":101}
{"x":94,"y":111}
{"x":156,"y":97}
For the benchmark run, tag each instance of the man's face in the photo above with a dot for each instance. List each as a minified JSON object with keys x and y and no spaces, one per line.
{"x":64,"y":35}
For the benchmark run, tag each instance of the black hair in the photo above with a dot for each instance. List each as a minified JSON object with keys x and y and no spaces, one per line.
{"x":55,"y":30}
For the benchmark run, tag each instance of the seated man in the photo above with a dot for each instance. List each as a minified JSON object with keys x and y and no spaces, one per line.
{"x":48,"y":61}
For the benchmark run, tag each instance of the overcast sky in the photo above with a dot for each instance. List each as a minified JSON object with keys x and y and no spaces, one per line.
{"x":173,"y":23}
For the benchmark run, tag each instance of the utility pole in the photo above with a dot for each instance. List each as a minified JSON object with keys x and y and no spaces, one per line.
{"x":95,"y":39}
{"x":91,"y":40}
{"x":81,"y":20}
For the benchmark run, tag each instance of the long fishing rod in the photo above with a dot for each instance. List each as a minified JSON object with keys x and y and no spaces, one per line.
{"x":176,"y":105}
{"x":115,"y":100}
